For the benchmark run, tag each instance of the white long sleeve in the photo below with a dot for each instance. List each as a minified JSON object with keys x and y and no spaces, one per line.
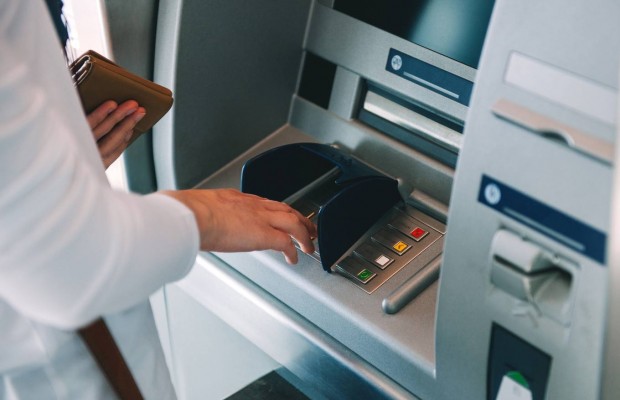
{"x":71,"y":248}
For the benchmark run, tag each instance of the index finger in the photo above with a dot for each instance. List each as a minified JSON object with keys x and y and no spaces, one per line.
{"x":283,"y":207}
{"x":298,"y":227}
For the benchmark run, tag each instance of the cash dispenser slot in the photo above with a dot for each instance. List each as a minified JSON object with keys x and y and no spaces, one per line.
{"x":411,"y":123}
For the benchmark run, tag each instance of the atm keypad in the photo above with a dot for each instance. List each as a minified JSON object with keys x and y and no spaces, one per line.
{"x":388,"y":247}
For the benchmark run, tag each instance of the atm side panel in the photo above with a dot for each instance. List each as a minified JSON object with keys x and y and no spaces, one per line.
{"x":523,"y":285}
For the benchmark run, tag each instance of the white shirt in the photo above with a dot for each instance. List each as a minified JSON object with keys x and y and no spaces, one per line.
{"x":71,"y":248}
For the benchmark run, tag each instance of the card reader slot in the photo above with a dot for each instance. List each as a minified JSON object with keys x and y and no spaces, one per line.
{"x":557,"y":131}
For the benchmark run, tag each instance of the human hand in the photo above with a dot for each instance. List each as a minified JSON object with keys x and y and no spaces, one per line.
{"x":112,"y":127}
{"x":229,"y":220}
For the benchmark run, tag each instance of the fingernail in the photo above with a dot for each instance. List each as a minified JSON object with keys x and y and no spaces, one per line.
{"x":138,"y":117}
{"x":131,"y":111}
{"x":129,"y":136}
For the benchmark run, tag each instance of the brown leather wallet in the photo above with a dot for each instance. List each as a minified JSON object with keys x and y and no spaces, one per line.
{"x":98,"y":79}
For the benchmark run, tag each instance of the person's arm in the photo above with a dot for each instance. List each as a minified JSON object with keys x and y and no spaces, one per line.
{"x":229,"y":220}
{"x":71,"y":248}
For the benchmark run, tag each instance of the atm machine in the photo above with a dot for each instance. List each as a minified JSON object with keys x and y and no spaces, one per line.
{"x":457,"y":157}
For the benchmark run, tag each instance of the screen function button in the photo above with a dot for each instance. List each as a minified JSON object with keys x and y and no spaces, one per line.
{"x":382,"y":261}
{"x":392,"y":240}
{"x":400,"y":247}
{"x":356,"y":268}
{"x":374,"y":254}
{"x":365,"y":275}
{"x":418,"y":233}
{"x":410,"y":227}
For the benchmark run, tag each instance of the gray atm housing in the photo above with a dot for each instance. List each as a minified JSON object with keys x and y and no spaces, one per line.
{"x":540,"y":126}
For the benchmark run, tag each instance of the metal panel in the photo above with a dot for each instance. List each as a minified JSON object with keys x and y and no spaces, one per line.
{"x":572,"y":183}
{"x":610,"y":387}
{"x":399,"y":346}
{"x":364,"y":50}
{"x":233,"y":67}
{"x":308,"y":352}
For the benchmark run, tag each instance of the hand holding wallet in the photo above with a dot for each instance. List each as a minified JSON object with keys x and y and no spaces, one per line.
{"x":98,"y":79}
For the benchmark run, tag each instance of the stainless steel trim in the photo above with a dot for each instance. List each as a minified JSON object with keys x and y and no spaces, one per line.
{"x":308,"y":352}
{"x":431,"y":206}
{"x":165,"y":71}
{"x":412,"y":287}
{"x":412,"y":121}
{"x":610,"y":384}
{"x":364,"y":48}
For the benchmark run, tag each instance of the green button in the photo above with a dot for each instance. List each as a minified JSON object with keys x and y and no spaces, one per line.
{"x":517,"y":377}
{"x":364,"y":274}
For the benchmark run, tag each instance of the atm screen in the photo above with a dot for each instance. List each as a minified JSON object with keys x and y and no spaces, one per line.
{"x":453,"y":28}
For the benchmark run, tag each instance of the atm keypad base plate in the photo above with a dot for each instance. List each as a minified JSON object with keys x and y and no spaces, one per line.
{"x":392,"y":243}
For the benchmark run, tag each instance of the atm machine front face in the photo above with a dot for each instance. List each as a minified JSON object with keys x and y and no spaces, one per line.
{"x":355,"y":113}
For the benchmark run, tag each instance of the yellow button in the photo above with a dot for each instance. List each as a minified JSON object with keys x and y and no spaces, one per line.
{"x":400,"y":246}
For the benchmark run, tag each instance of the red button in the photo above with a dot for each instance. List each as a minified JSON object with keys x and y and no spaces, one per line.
{"x":418,"y":233}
